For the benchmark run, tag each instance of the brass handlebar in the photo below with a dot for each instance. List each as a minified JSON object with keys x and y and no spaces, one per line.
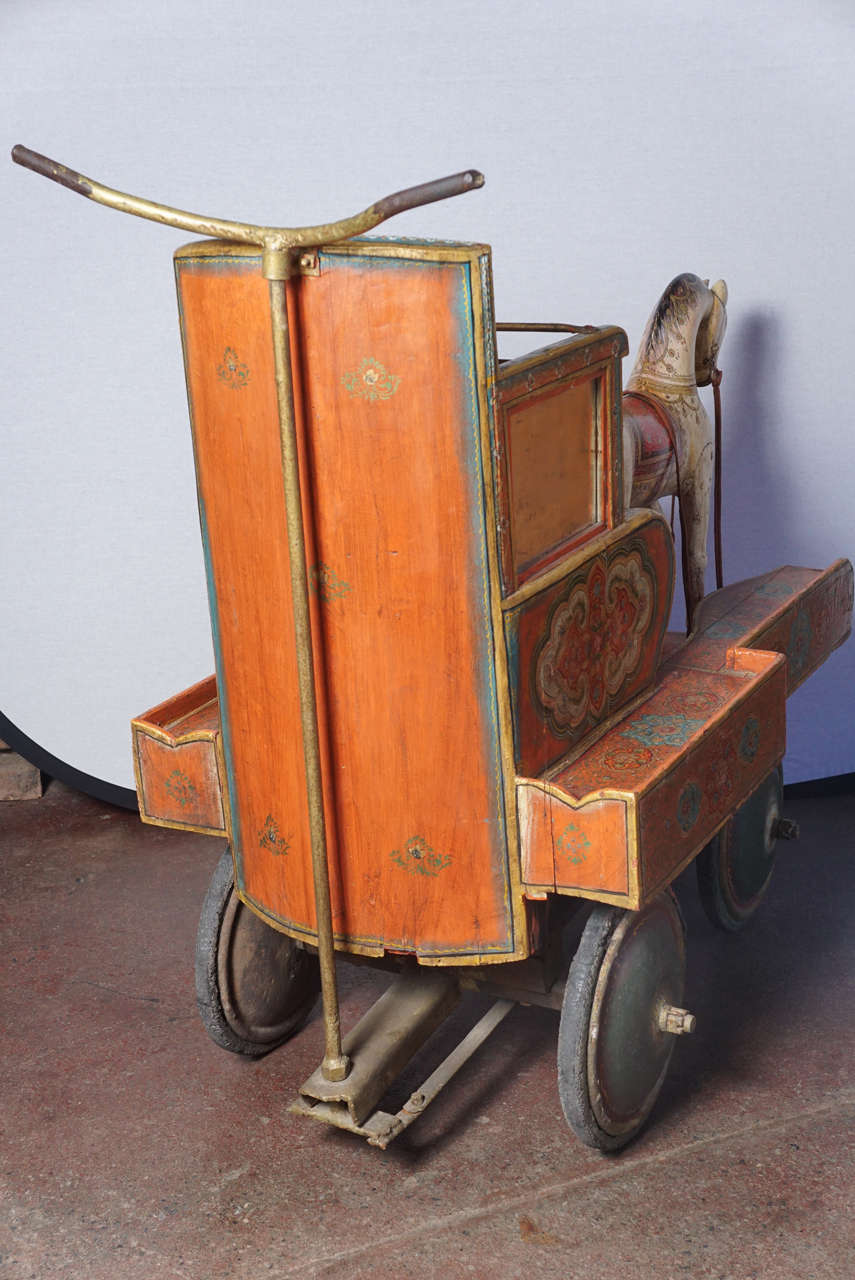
{"x":273,"y":240}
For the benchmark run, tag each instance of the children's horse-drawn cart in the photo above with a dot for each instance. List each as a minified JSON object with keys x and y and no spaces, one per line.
{"x":448,"y":716}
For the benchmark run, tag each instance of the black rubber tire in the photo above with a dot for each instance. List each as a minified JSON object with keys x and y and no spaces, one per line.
{"x":574,"y":1035}
{"x":253,"y":1017}
{"x":731,"y":896}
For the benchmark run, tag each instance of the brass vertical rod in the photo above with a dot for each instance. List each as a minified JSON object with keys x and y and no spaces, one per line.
{"x":335,"y":1065}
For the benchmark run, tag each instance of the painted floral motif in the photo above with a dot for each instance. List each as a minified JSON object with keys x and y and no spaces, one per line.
{"x":663,"y":731}
{"x":573,"y":844}
{"x":595,"y":641}
{"x":371,"y":381}
{"x":419,"y":858}
{"x":689,"y":806}
{"x":181,"y":788}
{"x":799,"y":643}
{"x":270,"y":837}
{"x":627,"y":759}
{"x":232,"y":372}
{"x":750,"y":739}
{"x":327,"y":584}
{"x":698,"y":701}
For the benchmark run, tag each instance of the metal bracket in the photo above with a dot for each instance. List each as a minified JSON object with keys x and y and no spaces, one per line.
{"x":309,"y":263}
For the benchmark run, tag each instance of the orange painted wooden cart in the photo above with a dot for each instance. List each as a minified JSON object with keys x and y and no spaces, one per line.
{"x":447,"y":716}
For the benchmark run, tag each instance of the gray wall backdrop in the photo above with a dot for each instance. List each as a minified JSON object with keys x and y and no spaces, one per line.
{"x":621,"y":144}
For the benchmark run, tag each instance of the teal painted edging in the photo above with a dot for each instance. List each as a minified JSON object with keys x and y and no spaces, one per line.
{"x":479,"y":533}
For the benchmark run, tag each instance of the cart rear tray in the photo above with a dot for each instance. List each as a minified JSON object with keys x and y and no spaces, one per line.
{"x":178,"y":760}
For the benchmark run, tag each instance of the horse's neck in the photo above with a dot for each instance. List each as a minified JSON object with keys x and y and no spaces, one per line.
{"x":666,"y":356}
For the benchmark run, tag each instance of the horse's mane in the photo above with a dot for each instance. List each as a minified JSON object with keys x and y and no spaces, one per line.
{"x":672,"y":311}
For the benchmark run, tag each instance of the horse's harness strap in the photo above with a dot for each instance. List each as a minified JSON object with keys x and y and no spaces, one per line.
{"x":716,"y":386}
{"x":658,"y":409}
{"x":662,"y":416}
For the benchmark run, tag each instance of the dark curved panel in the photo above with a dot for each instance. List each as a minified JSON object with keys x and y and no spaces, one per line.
{"x":124,"y":797}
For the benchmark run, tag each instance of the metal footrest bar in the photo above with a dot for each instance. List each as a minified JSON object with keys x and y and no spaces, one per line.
{"x":381,"y":1127}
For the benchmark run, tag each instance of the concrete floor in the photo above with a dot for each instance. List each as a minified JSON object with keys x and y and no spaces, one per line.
{"x":134,"y":1148}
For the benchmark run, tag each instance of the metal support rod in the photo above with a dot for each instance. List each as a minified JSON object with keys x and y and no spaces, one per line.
{"x":335,"y":1065}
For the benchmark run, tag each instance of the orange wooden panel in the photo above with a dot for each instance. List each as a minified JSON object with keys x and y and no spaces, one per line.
{"x":584,"y":847}
{"x":554,"y":446}
{"x":226,"y":330}
{"x":178,"y":761}
{"x":392,"y":402}
{"x":390,"y":397}
{"x":180,"y":785}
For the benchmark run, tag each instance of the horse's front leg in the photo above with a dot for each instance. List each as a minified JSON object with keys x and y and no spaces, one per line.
{"x":695,"y":495}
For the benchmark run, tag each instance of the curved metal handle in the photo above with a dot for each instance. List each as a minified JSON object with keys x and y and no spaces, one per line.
{"x":271,"y":239}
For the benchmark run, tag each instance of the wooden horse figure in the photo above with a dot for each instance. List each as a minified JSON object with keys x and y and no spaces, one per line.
{"x":668,"y":441}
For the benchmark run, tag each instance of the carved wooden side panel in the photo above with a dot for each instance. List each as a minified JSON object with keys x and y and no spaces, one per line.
{"x":583,"y":647}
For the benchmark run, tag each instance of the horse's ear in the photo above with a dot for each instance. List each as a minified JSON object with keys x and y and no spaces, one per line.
{"x":720,"y":291}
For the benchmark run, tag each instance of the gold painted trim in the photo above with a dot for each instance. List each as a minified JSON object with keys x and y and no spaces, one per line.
{"x":138,"y":782}
{"x":521,"y":364}
{"x":223,"y":779}
{"x":149,"y":730}
{"x":378,"y":951}
{"x":183,"y":826}
{"x":203,"y":706}
{"x":373,"y":247}
{"x":610,"y":899}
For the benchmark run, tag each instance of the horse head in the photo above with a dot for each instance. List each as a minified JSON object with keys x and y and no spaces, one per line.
{"x":711,"y":334}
